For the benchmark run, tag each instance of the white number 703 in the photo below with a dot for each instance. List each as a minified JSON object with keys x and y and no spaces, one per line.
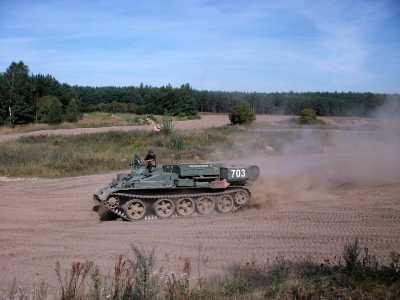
{"x":238,"y":173}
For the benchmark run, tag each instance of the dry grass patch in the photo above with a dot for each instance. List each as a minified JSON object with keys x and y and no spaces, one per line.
{"x":57,"y":156}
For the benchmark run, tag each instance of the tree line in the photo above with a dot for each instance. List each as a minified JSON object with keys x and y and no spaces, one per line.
{"x":26,"y":98}
{"x":324,"y":103}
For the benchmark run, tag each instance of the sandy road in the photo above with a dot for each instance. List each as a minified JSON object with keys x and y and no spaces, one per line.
{"x":206,"y":121}
{"x":43,"y":221}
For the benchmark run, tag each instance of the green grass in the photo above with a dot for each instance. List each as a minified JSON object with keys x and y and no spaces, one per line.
{"x":357,"y":275}
{"x":56,"y":156}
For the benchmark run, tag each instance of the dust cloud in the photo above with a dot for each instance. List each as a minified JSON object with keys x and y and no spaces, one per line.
{"x":303,"y":164}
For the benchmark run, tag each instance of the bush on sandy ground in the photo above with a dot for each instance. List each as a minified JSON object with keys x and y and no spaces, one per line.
{"x":242,"y":114}
{"x":356,"y":275}
{"x":308,"y":116}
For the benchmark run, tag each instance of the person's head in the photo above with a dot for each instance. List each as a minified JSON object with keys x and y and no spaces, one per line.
{"x":151,"y":151}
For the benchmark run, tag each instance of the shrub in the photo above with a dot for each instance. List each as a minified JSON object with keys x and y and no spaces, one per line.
{"x":72,"y":284}
{"x":177,"y":288}
{"x":72,"y":112}
{"x":308,"y":116}
{"x":49,"y":110}
{"x":351,"y":256}
{"x":136,"y":278}
{"x":242,"y":114}
{"x":145,"y":282}
{"x":137,"y":120}
{"x":152,"y":117}
{"x":176,"y":142}
{"x":167,"y":127}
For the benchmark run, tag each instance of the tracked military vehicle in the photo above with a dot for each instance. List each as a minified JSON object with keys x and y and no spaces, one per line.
{"x":177,"y":189}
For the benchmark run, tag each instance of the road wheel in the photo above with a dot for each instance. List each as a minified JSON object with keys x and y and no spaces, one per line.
{"x":205,"y":205}
{"x":242,"y":197}
{"x":112,"y":202}
{"x":164,"y":208}
{"x":185,"y":207}
{"x":225,"y":204}
{"x":135,"y":209}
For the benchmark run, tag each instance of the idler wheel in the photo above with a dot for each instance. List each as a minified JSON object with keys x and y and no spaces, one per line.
{"x":242,"y":197}
{"x":225,"y":204}
{"x":205,"y":205}
{"x":185,"y":207}
{"x":112,"y":202}
{"x":135,"y":209}
{"x":164,"y":208}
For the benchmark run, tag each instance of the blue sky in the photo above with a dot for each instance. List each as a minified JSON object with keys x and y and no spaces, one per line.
{"x":218,"y":45}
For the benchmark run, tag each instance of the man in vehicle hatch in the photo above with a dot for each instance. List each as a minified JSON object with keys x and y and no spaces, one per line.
{"x":150,"y":160}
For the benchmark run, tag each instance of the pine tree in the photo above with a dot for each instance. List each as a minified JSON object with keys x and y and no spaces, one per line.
{"x":72,"y":112}
{"x":55,"y":112}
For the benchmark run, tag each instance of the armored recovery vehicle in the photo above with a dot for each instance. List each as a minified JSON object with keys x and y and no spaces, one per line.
{"x":177,"y":189}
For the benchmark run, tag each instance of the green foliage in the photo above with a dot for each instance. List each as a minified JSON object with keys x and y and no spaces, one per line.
{"x":242,"y":114}
{"x":54,"y":115}
{"x":55,"y":156}
{"x":176,"y":142}
{"x":20,"y":93}
{"x":16,"y":105}
{"x":184,"y":117}
{"x":72,"y":113}
{"x":137,"y":120}
{"x":290,"y":103}
{"x":308,"y":116}
{"x":113,"y":107}
{"x":165,"y":100}
{"x":49,"y":110}
{"x":152,"y":117}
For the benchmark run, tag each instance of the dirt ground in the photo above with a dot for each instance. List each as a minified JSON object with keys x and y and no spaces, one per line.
{"x":296,"y":215}
{"x":206,"y":121}
{"x":43,"y":221}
